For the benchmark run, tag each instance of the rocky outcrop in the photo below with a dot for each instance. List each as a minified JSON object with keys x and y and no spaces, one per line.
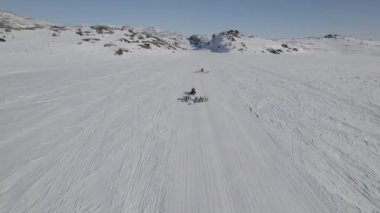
{"x":334,"y":36}
{"x":168,"y":39}
{"x":227,"y":41}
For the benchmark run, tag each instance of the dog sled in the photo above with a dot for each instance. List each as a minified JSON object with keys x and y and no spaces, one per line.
{"x":195,"y":99}
{"x":191,"y":98}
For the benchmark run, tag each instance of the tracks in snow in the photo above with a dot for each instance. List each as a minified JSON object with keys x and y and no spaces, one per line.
{"x":317,"y":128}
{"x":114,"y":138}
{"x":227,"y":163}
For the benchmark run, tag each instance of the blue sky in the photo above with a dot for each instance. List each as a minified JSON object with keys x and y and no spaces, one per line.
{"x":267,"y":18}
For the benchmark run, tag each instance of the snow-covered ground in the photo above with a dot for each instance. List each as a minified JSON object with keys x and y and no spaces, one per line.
{"x":83,"y":130}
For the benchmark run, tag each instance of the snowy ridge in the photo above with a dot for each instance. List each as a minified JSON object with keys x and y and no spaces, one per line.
{"x":114,"y":39}
{"x":222,"y":42}
{"x":234,"y":41}
{"x":126,"y":39}
{"x":117,"y":39}
{"x":338,"y":44}
{"x":12,"y":21}
{"x":170,"y":37}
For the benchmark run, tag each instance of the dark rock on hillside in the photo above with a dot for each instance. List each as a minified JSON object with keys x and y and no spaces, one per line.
{"x":289,"y":49}
{"x":146,"y":46}
{"x":198,"y":40}
{"x":222,"y":42}
{"x":92,"y":40}
{"x":172,"y":40}
{"x":84,"y":33}
{"x":110,"y":45}
{"x":2,"y":40}
{"x":161,"y":43}
{"x":79,"y":32}
{"x":274,"y":51}
{"x":232,"y":34}
{"x":103,"y":29}
{"x":58,"y":28}
{"x":124,"y":40}
{"x":333,"y":36}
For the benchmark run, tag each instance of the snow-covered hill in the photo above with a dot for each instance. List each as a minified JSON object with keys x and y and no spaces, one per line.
{"x":337,"y":44}
{"x":12,"y":21}
{"x":126,"y":39}
{"x":31,"y":34}
{"x":170,"y":37}
{"x":86,"y":130}
{"x":234,"y":41}
{"x":222,"y":42}
{"x":113,"y":39}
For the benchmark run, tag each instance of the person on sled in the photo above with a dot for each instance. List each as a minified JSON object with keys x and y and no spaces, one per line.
{"x":192,"y":92}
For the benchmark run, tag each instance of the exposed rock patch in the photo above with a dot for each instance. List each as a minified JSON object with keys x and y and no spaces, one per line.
{"x":334,"y":36}
{"x":92,"y":40}
{"x":222,"y":42}
{"x":103,"y":29}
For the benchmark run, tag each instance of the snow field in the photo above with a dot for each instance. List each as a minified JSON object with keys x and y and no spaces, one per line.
{"x":289,"y":133}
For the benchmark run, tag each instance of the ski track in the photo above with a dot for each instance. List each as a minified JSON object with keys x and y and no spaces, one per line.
{"x":112,"y":137}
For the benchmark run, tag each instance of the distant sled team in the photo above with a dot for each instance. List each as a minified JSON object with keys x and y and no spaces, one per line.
{"x":202,"y":71}
{"x":196,"y":99}
{"x":190,"y":97}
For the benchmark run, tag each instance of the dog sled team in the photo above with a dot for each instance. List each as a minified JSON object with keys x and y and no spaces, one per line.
{"x":190,"y":96}
{"x":200,"y":99}
{"x":196,"y":99}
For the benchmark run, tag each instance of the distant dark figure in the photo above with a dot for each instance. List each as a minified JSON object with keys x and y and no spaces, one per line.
{"x":192,"y":92}
{"x":202,"y":70}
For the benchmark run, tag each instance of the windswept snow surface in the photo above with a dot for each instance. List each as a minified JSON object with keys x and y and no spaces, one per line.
{"x":86,"y":131}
